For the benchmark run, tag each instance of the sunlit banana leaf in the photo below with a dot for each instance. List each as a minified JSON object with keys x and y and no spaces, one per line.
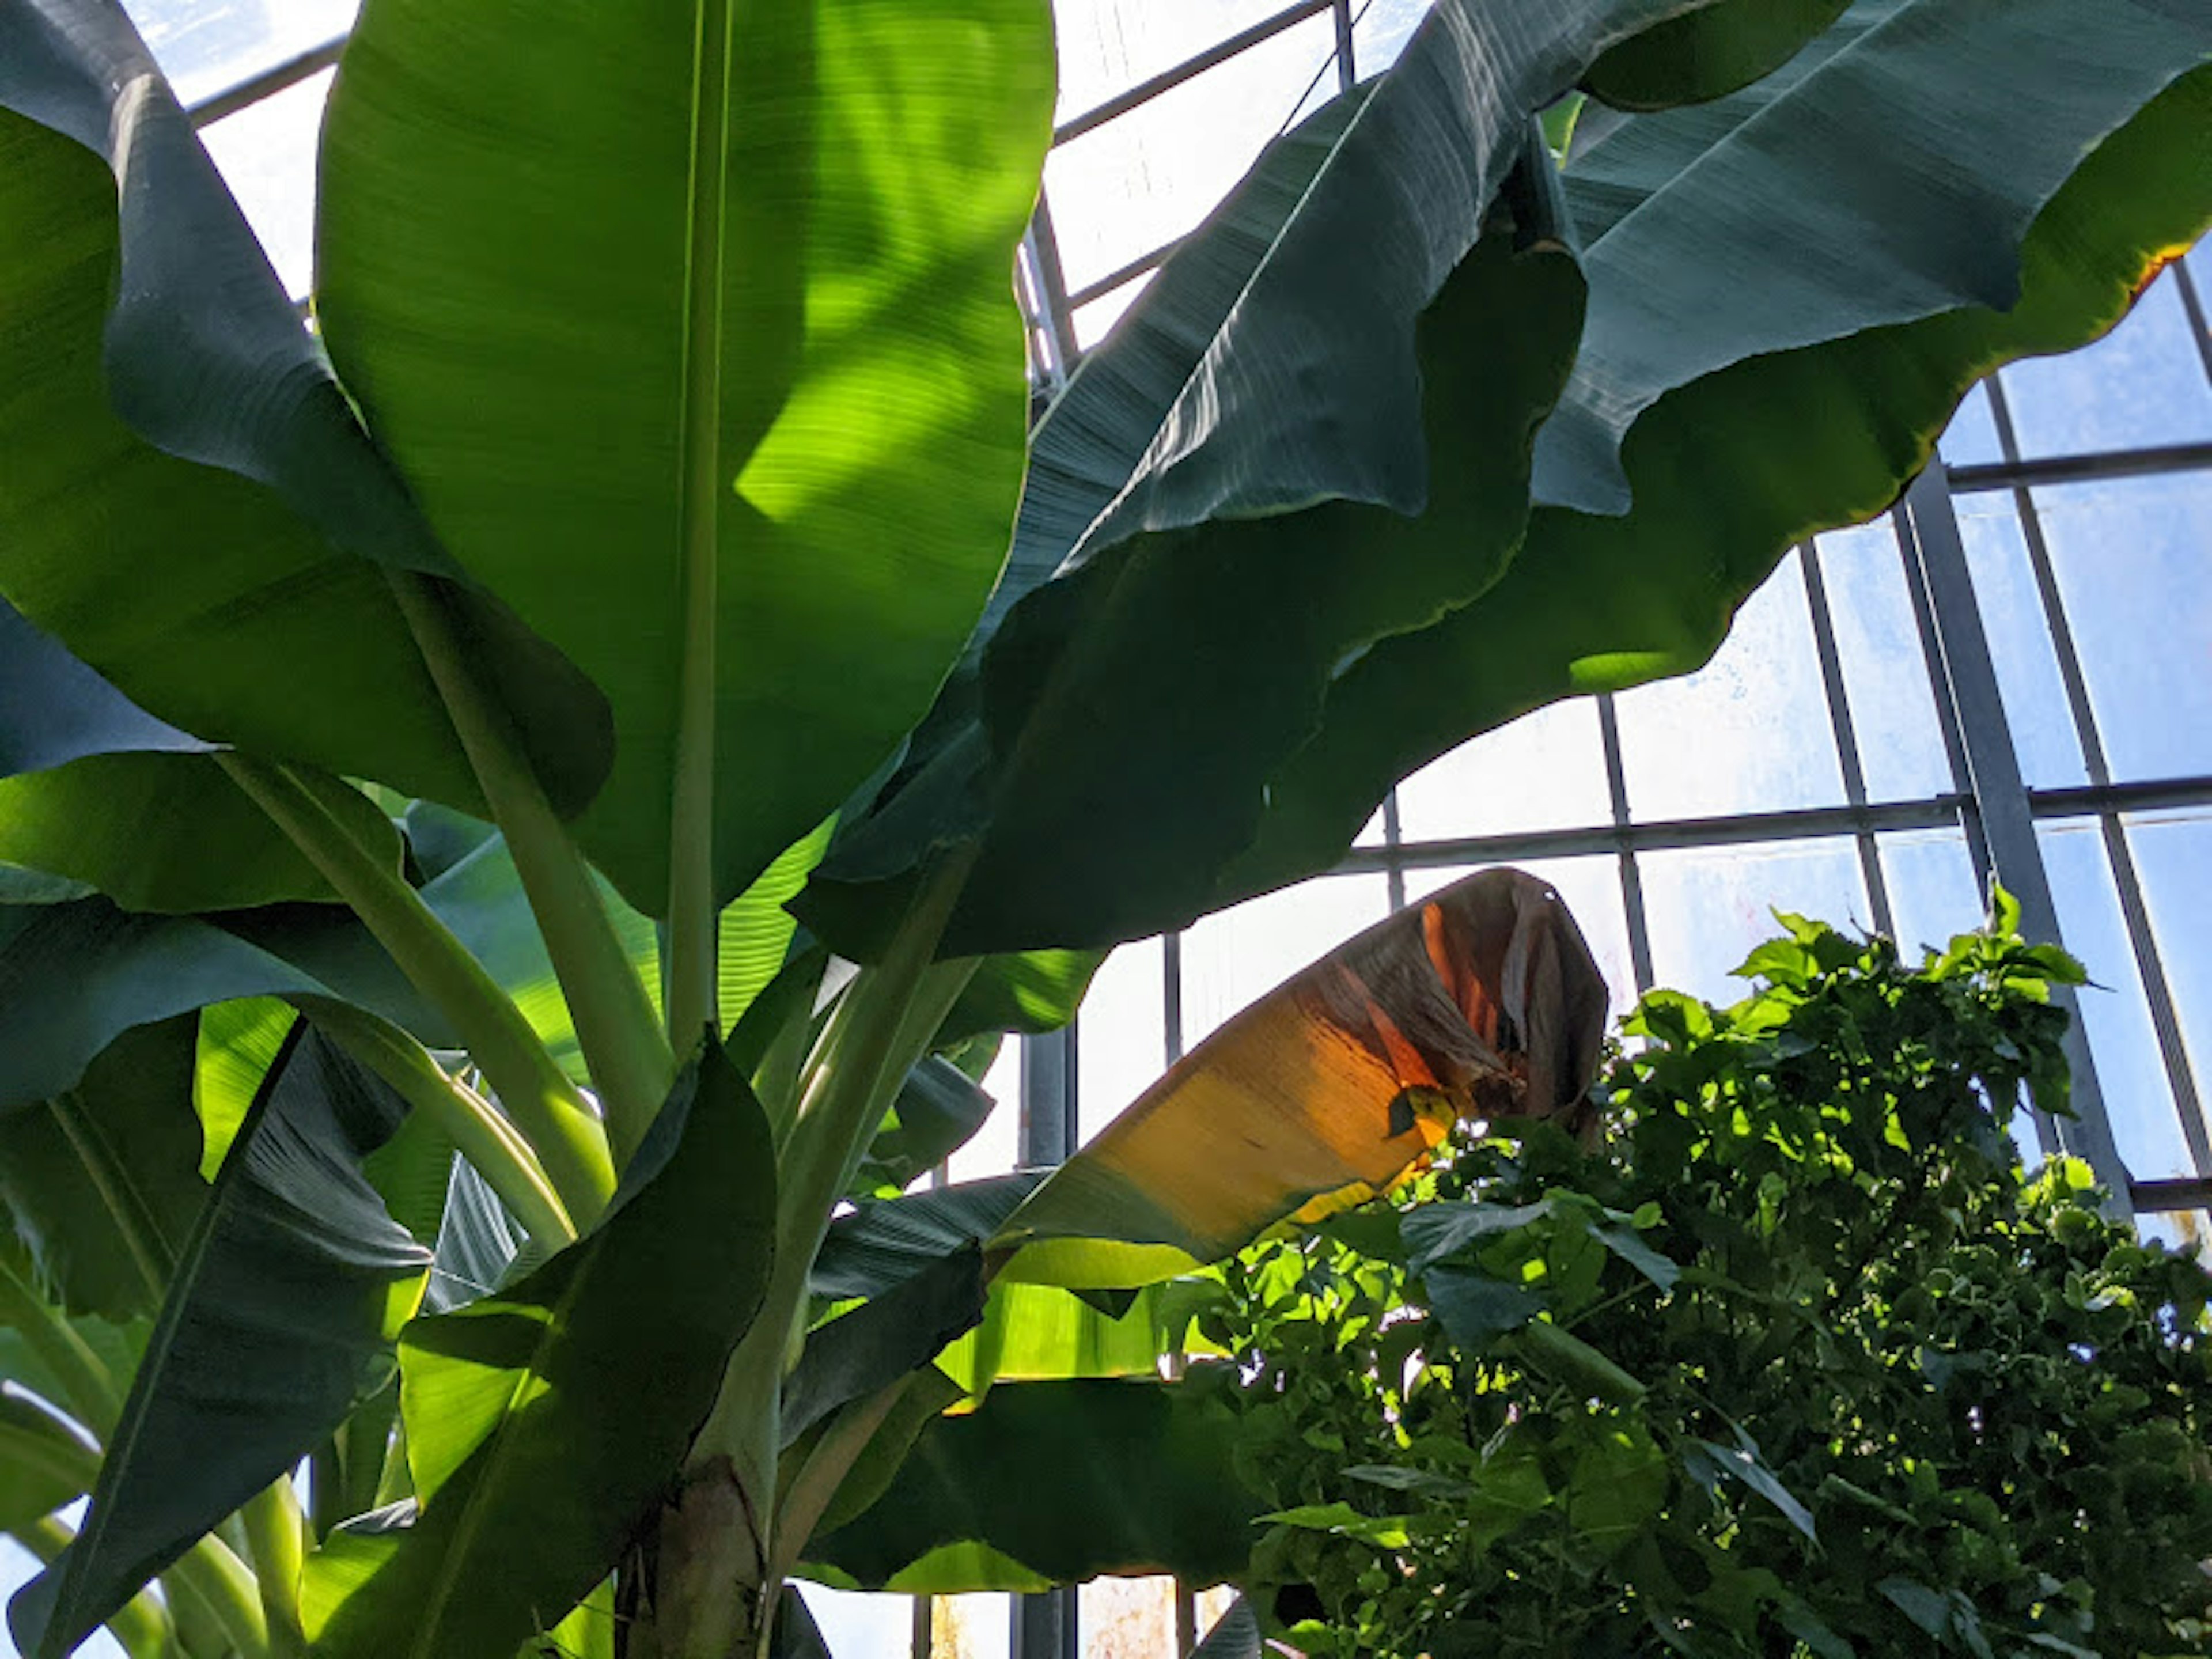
{"x":290,"y":1288}
{"x":189,"y":504}
{"x":527,"y":1498}
{"x":1142,"y":1478}
{"x":104,"y":1183}
{"x":1481,"y":1001}
{"x":171,"y":833}
{"x":791,"y":375}
{"x":237,"y":1044}
{"x":1132,"y":709}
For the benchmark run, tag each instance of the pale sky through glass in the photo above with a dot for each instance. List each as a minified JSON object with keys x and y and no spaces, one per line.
{"x":2124,"y":559}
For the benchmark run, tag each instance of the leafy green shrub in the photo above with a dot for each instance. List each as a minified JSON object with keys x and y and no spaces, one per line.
{"x":1796,"y":1360}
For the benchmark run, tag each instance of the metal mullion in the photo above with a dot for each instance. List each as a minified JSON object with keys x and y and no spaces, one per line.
{"x":2164,"y":1018}
{"x":1659,"y":836}
{"x":2011,"y":851}
{"x":1172,"y":995}
{"x":1947,"y":712}
{"x":1059,"y":317}
{"x":919,"y":1636}
{"x":1631,"y":878}
{"x":1123,"y":274}
{"x":2151,"y":795}
{"x":2148,"y":460}
{"x":1394,"y":838}
{"x":2185,"y":284}
{"x":1168,"y":79}
{"x":1348,"y":65}
{"x":2164,"y":1197}
{"x":267,"y":84}
{"x":1845,"y":734}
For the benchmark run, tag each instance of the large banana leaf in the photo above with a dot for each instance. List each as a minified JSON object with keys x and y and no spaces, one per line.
{"x":53,"y":708}
{"x":171,"y":833}
{"x":701,"y":311}
{"x":531,"y":1458}
{"x":289,"y":1290}
{"x":75,"y":975}
{"x":1132,"y":710}
{"x":1142,"y":1478}
{"x":1705,"y":53}
{"x":1891,"y":176}
{"x":1482,"y":1002}
{"x":104,"y":1183}
{"x":187,"y":501}
{"x":1729,"y":471}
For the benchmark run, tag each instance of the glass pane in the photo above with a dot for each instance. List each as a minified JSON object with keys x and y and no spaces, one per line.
{"x":1591,"y":887}
{"x":2142,"y":384}
{"x":979,"y":1626}
{"x":1707,"y":907}
{"x":1121,"y":1038}
{"x":1376,"y":832}
{"x":1748,"y":732}
{"x":995,"y":1148}
{"x":1933,"y":894}
{"x":267,"y":157}
{"x":1126,"y":1618}
{"x":1107,"y":46}
{"x":2114,"y":1011}
{"x":2130,"y":555}
{"x":1152,"y":175}
{"x":1892,"y":706}
{"x":2019,"y":642}
{"x":2172,"y":852}
{"x":209,"y":46}
{"x":1971,"y":438}
{"x":1237,"y":955}
{"x":1094,"y":321}
{"x":858,"y":1625}
{"x":1381,"y":31}
{"x":1544,"y":771}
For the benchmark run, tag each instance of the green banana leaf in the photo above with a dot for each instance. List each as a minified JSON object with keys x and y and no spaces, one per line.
{"x":647,"y":306}
{"x":883,"y":1243}
{"x":104,"y":1182}
{"x":171,"y":834}
{"x":939,"y":1109}
{"x":1706,"y":53}
{"x":1143,"y":1480}
{"x":43,"y":1466}
{"x":190,"y":506}
{"x":1730,"y":471}
{"x":285,"y":1300}
{"x":53,"y":709}
{"x":238,"y":1042}
{"x":901,"y":1330}
{"x":1132,"y":710}
{"x":1949,"y":124}
{"x":76,"y":976}
{"x":525,"y":1499}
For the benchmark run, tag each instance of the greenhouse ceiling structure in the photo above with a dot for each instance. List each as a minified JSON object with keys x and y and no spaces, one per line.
{"x":2006,"y":672}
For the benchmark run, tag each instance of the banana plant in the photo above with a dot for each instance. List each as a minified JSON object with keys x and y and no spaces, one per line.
{"x":521,"y":803}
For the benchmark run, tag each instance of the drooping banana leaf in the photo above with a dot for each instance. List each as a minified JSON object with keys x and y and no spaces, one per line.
{"x":1142,"y":1478}
{"x":1729,"y":471}
{"x":104,"y":1183}
{"x":54,"y":709}
{"x":285,"y":1298}
{"x":75,"y":975}
{"x":189,"y":504}
{"x":938,"y":1109}
{"x":1132,"y":709}
{"x":526,"y":1497}
{"x":900,"y":1330}
{"x":1482,"y":1002}
{"x":701,"y":312}
{"x":171,"y":834}
{"x":1706,"y":53}
{"x":882,"y":1242}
